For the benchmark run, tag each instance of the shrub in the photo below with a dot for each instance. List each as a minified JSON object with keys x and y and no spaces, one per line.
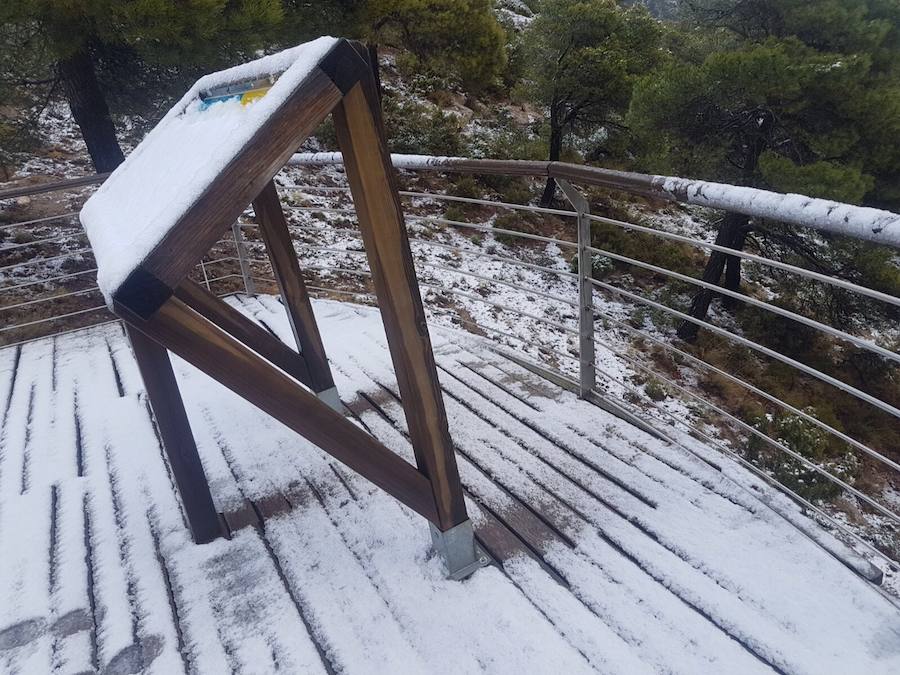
{"x":515,"y":221}
{"x":655,"y":391}
{"x":661,"y":253}
{"x":466,"y":186}
{"x":418,"y":129}
{"x":455,"y":212}
{"x":601,"y":266}
{"x":326,"y":135}
{"x":810,"y":442}
{"x":503,"y":137}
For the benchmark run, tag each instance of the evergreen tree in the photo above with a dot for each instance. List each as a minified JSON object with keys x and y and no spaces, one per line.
{"x":791,"y":95}
{"x":457,"y":38}
{"x":101,"y":52}
{"x":108,"y":58}
{"x":583,"y":57}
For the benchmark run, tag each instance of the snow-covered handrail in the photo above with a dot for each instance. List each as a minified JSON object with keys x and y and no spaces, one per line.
{"x":860,"y":222}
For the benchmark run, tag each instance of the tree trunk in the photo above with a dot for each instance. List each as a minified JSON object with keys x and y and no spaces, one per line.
{"x":732,"y":234}
{"x":733,"y":262}
{"x":89,"y":109}
{"x":734,"y":230}
{"x":556,"y":138}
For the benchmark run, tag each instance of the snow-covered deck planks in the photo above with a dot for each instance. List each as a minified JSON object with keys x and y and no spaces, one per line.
{"x":616,"y":553}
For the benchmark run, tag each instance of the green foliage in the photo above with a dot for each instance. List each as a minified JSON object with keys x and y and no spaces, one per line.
{"x":514,"y":221}
{"x":601,"y":266}
{"x":466,"y":186}
{"x":817,"y":179}
{"x":457,"y":212}
{"x":326,"y":135}
{"x":860,"y":262}
{"x":660,"y":252}
{"x":857,"y":367}
{"x":795,"y":96}
{"x":503,"y":137}
{"x":459,"y":39}
{"x":810,"y":442}
{"x":415,"y":128}
{"x":655,"y":390}
{"x":583,"y":57}
{"x":143,"y":53}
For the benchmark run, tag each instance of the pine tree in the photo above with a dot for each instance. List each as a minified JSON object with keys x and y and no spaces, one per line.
{"x":461,"y":39}
{"x":790,"y":95}
{"x":109,"y":58}
{"x":99,"y":53}
{"x":583,"y":57}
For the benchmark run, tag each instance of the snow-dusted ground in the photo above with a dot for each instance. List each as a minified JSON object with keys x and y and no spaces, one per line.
{"x":619,"y":553}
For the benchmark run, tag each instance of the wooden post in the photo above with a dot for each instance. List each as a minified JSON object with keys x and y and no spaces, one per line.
{"x":275,"y":234}
{"x":367,"y":162}
{"x":175,"y":430}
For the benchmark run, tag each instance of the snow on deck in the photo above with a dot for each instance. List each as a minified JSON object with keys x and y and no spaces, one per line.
{"x":615,"y":552}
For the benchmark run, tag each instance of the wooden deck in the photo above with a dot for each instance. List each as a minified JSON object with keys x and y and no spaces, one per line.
{"x":614,"y":552}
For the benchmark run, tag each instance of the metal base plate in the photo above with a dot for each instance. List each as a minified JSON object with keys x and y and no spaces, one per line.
{"x":457,"y":547}
{"x":331,"y":398}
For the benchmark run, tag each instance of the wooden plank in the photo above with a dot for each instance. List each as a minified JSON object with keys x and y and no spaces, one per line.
{"x":239,"y":326}
{"x":241,"y":180}
{"x":372,"y":184}
{"x":277,"y":238}
{"x":225,"y":359}
{"x":175,"y":430}
{"x":242,"y":517}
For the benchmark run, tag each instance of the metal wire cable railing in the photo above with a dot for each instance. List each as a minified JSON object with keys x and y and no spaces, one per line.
{"x":39,"y":242}
{"x":23,"y":223}
{"x":38,"y":261}
{"x":756,"y":432}
{"x":39,"y":282}
{"x":744,"y":255}
{"x":45,"y":265}
{"x":435,"y":244}
{"x":762,"y":349}
{"x":634,"y":298}
{"x":643,"y":335}
{"x":641,"y":367}
{"x":331,"y":268}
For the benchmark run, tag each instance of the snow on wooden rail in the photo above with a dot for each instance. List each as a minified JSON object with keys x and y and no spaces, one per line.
{"x":859,"y":222}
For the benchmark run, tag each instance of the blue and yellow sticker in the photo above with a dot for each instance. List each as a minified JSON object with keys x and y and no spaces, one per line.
{"x":245,"y":93}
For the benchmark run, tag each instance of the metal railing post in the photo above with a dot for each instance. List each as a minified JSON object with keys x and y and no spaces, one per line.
{"x":205,"y":276}
{"x":586,"y":357}
{"x":243,"y":258}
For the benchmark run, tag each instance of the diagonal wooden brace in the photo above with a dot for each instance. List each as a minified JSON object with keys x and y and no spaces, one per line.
{"x":209,"y":348}
{"x":236,"y":324}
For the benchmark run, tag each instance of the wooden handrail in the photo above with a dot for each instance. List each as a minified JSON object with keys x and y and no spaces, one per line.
{"x":56,"y":186}
{"x":859,"y":222}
